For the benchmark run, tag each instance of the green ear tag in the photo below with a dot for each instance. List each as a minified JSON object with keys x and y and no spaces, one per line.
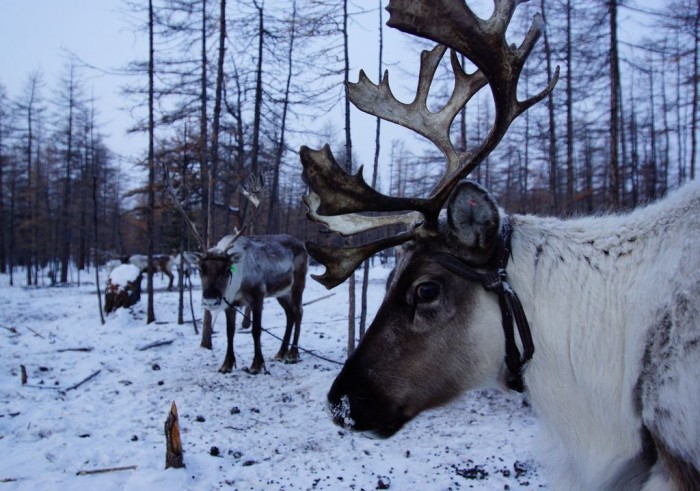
{"x":233,"y":268}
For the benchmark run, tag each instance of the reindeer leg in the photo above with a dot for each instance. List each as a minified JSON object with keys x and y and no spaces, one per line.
{"x":258,"y":360}
{"x":170,"y":279}
{"x":298,"y":310}
{"x":293,"y":355}
{"x":286,"y":304}
{"x":230,"y":360}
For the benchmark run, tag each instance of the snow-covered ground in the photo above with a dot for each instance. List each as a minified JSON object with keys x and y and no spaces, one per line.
{"x":239,"y":431}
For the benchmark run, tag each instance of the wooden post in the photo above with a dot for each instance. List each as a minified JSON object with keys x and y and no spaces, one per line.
{"x":173,"y":452}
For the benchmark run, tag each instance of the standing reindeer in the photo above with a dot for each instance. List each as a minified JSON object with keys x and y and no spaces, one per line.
{"x":242,"y":271}
{"x":603,"y":334}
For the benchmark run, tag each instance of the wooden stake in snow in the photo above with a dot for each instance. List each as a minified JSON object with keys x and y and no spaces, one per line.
{"x":173,"y":444}
{"x":24,"y":374}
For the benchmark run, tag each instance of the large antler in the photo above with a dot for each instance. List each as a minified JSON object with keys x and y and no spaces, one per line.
{"x":337,"y":199}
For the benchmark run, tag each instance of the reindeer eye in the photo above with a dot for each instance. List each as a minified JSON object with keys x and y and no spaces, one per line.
{"x":427,"y":291}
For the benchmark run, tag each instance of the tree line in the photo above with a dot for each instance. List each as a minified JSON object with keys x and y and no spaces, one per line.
{"x":235,"y":88}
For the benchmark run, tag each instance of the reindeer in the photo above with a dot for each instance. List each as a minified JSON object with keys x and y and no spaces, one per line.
{"x":243,"y":271}
{"x":603,"y":334}
{"x":161,"y":262}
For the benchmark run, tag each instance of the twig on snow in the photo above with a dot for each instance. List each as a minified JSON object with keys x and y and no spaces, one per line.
{"x":11,"y":329}
{"x":109,"y":469}
{"x":156,"y":344}
{"x":36,"y":333}
{"x":86,"y":349}
{"x":86,"y":379}
{"x":61,"y":389}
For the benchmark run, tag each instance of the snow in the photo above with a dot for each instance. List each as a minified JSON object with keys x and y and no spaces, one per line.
{"x":239,"y":431}
{"x":123,"y":274}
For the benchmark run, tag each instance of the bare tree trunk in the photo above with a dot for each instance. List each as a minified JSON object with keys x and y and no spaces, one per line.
{"x":255,"y":150}
{"x":217,"y":115}
{"x":614,"y":107}
{"x":375,"y":170}
{"x":30,"y":134}
{"x":96,"y":247}
{"x":348,"y":169}
{"x":203,"y":152}
{"x":652,"y":177}
{"x":570,"y":175}
{"x":694,"y":113}
{"x":552,"y":153}
{"x":3,"y":223}
{"x":273,"y":211}
{"x":150,"y":315}
{"x":67,"y":189}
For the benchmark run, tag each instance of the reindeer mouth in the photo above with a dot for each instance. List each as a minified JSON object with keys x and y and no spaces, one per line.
{"x":212,"y":304}
{"x":379,"y":424}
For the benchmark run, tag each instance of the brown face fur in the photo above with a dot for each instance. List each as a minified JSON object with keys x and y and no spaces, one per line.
{"x":215,"y":278}
{"x":424,"y":348}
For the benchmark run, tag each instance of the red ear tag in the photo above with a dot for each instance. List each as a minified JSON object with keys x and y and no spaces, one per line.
{"x":472,"y":202}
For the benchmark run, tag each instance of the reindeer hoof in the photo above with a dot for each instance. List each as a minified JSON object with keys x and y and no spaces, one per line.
{"x":292,"y":356}
{"x":227,"y":367}
{"x":291,"y":359}
{"x":257,"y":370}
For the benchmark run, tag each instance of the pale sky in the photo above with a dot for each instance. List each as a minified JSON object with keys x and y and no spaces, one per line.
{"x":39,"y":35}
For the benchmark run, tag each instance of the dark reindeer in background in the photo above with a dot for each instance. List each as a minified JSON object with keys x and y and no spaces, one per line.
{"x":242,"y":271}
{"x":604,"y":336}
{"x":160,"y":262}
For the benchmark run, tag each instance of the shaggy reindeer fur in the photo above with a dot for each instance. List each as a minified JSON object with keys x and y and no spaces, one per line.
{"x":614,"y":305}
{"x":614,"y":308}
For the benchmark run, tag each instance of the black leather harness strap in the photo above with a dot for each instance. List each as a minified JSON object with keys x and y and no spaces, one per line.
{"x":495,"y":280}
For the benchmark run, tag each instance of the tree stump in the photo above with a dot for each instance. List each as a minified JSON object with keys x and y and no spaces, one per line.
{"x":123,"y":287}
{"x":173,"y":444}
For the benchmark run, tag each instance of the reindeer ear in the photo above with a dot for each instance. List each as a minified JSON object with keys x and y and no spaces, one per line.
{"x":235,"y":257}
{"x":474,"y":221}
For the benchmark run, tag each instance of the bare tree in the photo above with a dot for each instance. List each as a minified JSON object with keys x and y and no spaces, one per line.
{"x":375,"y":172}
{"x":150,"y":315}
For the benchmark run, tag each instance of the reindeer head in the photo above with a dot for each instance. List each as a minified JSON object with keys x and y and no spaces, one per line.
{"x":436,"y":333}
{"x":221,"y":266}
{"x":221,"y":269}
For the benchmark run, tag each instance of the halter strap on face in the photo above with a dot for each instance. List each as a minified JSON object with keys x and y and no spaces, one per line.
{"x":495,"y":280}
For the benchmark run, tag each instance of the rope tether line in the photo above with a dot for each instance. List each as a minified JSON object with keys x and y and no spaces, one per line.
{"x":309,"y":352}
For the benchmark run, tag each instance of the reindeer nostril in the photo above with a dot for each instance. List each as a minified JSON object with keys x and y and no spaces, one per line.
{"x":340,"y":412}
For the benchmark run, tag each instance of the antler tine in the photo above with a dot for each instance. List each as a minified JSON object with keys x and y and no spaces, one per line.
{"x":342,"y":193}
{"x":342,"y":262}
{"x":183,"y":213}
{"x":483,"y":42}
{"x":353,"y":223}
{"x":251,"y":190}
{"x":378,"y":100}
